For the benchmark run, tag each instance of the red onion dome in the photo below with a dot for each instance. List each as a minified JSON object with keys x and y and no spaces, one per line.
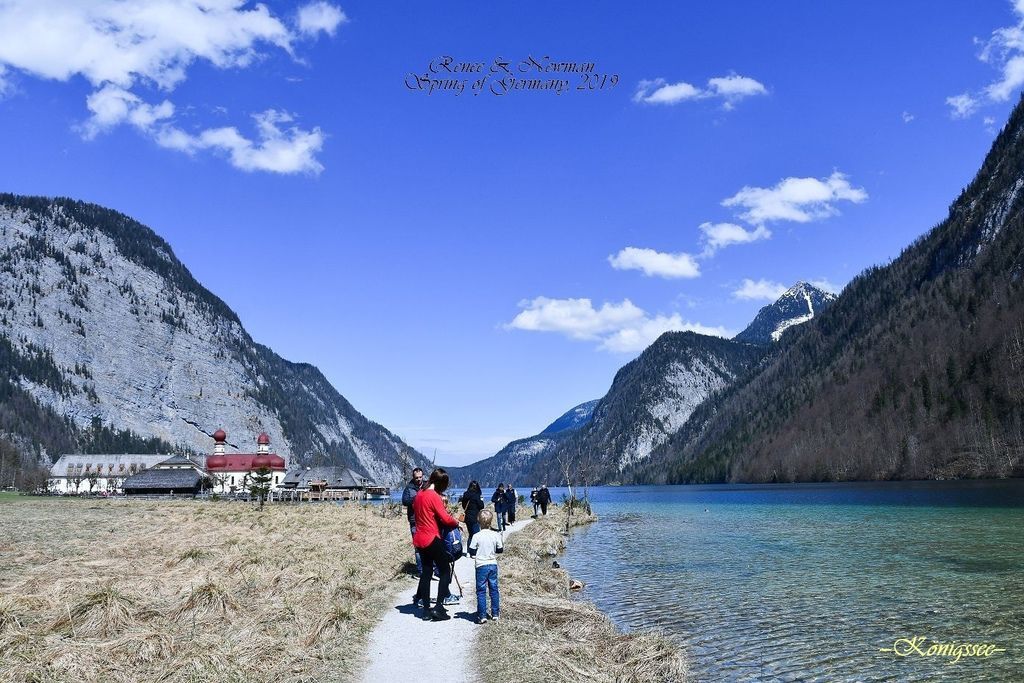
{"x":263,"y":439}
{"x":277,"y":462}
{"x":220,"y":436}
{"x":260,"y":461}
{"x":215,"y":462}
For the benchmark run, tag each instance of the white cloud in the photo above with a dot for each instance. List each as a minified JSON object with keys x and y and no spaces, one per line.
{"x":1004,"y":51}
{"x":659,"y":91}
{"x":760,"y":289}
{"x":734,"y":88}
{"x":112,"y":105}
{"x":119,"y":46}
{"x":320,"y":16}
{"x":719,"y":235}
{"x":576,"y":318}
{"x":622,"y":327}
{"x":655,"y":263}
{"x":731,"y":89}
{"x":963,"y":105}
{"x":795,"y":199}
{"x":639,"y":337}
{"x":826,"y":285}
{"x":277,"y":151}
{"x":907,"y":117}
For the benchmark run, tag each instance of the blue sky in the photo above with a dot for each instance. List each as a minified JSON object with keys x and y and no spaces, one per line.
{"x":466,"y":268}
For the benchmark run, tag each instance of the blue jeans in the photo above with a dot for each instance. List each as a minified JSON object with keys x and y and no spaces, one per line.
{"x":419,"y":560}
{"x":487,"y":579}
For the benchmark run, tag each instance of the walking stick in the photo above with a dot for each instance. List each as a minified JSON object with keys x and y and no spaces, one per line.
{"x":457,"y":582}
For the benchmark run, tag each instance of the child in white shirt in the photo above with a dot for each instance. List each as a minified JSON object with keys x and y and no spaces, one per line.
{"x":484,"y":549}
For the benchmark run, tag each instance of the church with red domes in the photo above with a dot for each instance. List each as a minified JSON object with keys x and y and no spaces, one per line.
{"x":229,"y":471}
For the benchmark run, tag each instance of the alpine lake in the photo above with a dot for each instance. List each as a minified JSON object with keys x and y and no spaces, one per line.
{"x":886,"y":581}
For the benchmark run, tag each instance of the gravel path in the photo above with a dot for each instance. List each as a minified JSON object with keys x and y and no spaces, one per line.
{"x":403,"y":647}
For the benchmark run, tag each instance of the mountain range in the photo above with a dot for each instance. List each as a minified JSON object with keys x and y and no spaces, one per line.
{"x":915,"y":371}
{"x":650,"y":399}
{"x":108,"y":343}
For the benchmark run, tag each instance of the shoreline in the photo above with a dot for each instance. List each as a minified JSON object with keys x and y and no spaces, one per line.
{"x":120,"y":590}
{"x":546,"y":634}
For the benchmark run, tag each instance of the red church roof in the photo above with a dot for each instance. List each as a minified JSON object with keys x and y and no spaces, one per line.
{"x":244,"y":462}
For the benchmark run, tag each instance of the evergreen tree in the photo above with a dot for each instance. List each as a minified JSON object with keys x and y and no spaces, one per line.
{"x":259,"y":484}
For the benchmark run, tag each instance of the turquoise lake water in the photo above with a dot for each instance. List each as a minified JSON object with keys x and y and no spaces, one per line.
{"x":811,"y":582}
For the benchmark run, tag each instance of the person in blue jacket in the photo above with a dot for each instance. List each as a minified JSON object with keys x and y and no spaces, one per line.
{"x":499,"y":506}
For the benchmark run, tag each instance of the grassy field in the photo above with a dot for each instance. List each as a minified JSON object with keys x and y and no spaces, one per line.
{"x":117,"y":590}
{"x":544,"y":635}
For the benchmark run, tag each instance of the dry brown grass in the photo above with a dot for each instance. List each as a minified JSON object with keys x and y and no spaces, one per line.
{"x":544,"y":635}
{"x":118,"y":590}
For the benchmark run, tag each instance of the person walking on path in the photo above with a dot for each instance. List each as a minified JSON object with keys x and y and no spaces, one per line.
{"x":408,"y":495}
{"x":484,"y":549}
{"x":499,"y":506}
{"x":431,"y":516}
{"x":544,"y":497}
{"x":536,"y":503}
{"x":472,"y":503}
{"x":511,"y":502}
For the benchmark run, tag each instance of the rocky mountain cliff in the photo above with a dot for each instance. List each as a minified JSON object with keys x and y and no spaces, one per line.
{"x":915,"y":371}
{"x":797,"y":305}
{"x":650,"y":399}
{"x":108,"y":342}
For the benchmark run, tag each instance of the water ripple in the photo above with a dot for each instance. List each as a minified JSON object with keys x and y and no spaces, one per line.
{"x":811,"y":592}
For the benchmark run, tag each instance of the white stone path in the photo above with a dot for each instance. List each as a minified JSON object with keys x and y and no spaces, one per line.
{"x":403,"y":647}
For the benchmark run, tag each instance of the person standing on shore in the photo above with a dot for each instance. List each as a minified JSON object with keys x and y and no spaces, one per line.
{"x":484,"y":549}
{"x":544,"y":497}
{"x":431,"y":517}
{"x":408,"y":496}
{"x":499,"y":506}
{"x":536,"y":503}
{"x":472,"y":503}
{"x":511,"y":502}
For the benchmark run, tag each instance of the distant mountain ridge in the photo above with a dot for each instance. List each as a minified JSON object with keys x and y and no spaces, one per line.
{"x":650,"y":398}
{"x":508,"y":464}
{"x":573,"y":419}
{"x":108,"y":340}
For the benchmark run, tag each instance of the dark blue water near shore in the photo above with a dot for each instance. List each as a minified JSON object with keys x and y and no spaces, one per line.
{"x":811,"y":581}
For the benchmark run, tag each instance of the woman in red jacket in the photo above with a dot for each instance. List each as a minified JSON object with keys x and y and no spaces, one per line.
{"x":431,"y":516}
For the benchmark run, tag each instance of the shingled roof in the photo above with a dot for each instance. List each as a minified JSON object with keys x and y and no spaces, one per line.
{"x":179,"y":460}
{"x":336,"y":478}
{"x":171,"y":479}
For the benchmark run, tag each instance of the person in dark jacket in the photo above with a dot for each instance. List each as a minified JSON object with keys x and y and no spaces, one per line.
{"x":499,"y":506}
{"x":472,"y":502}
{"x":535,"y":502}
{"x":431,"y":519}
{"x":408,"y":496}
{"x":511,"y":501}
{"x":544,"y":497}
